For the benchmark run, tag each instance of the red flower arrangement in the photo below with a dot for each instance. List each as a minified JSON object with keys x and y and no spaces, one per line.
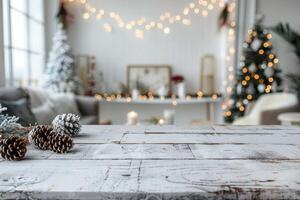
{"x":177,"y":79}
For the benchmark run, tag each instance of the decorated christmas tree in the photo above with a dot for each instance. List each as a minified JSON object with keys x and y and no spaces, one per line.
{"x":61,"y":71}
{"x":258,"y":73}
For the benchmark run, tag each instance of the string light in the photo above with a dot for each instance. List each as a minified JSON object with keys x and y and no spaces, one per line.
{"x":229,"y":57}
{"x":269,"y":36}
{"x":270,"y":79}
{"x":167,"y":30}
{"x":186,"y":22}
{"x":166,"y":18}
{"x":86,"y":16}
{"x":204,"y":13}
{"x":261,"y":51}
{"x":107,"y":27}
{"x":139,"y":33}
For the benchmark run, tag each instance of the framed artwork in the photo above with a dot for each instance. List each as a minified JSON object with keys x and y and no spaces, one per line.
{"x":150,"y":78}
{"x":85,"y":65}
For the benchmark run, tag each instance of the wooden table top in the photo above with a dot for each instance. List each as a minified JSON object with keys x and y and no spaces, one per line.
{"x":162,"y":162}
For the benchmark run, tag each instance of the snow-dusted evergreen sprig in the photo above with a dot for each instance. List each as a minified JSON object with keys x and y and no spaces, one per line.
{"x":9,"y":124}
{"x":68,"y":124}
{"x":2,"y":109}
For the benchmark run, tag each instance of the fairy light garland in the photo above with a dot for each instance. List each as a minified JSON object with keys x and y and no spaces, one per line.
{"x":229,"y":58}
{"x":141,"y":25}
{"x":150,"y":97}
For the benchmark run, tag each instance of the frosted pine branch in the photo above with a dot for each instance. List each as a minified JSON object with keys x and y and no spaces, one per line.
{"x":2,"y":109}
{"x":9,"y":124}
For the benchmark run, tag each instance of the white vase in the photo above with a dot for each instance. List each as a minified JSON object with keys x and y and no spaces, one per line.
{"x":132,"y":118}
{"x":169,"y":116}
{"x":181,"y":90}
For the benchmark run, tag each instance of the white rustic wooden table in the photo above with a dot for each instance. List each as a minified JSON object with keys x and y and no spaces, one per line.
{"x":153,"y":163}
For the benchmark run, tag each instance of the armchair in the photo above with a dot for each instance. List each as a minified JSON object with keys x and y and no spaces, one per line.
{"x":268,"y":107}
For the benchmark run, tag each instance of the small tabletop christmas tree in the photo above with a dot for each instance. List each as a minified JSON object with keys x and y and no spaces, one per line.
{"x":61,"y":72}
{"x":258,"y":73}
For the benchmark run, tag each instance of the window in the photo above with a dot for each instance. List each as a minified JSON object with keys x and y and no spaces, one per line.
{"x":24,"y":41}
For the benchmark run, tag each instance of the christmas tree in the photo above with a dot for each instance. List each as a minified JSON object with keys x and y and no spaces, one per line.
{"x":258,"y":73}
{"x":61,"y":72}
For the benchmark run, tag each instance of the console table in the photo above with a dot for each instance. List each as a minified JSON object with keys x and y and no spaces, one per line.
{"x":162,"y":163}
{"x":209,"y":102}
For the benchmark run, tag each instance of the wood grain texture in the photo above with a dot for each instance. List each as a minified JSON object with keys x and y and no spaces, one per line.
{"x":162,"y":162}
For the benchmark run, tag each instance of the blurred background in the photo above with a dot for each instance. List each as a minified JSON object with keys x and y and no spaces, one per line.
{"x":138,"y":62}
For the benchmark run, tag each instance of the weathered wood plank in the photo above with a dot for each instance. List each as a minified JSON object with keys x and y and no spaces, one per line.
{"x":225,"y":179}
{"x":94,"y":134}
{"x":246,"y":151}
{"x":92,"y":129}
{"x":170,"y":152}
{"x":125,"y":152}
{"x":237,"y":138}
{"x":178,"y":129}
{"x":139,"y":163}
{"x":262,"y":129}
{"x":165,"y":179}
{"x":66,"y":179}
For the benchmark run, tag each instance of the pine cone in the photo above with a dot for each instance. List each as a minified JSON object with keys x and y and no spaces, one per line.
{"x":60,"y":143}
{"x":67,"y":124}
{"x":38,"y":136}
{"x":13,"y":148}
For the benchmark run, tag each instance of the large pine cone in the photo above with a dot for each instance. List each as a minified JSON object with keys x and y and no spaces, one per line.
{"x":38,"y":136}
{"x":60,"y":143}
{"x":13,"y":148}
{"x":67,"y":124}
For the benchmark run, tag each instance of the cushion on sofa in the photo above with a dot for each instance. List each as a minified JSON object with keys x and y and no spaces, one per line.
{"x":45,"y":113}
{"x":12,"y":94}
{"x":47,"y":105}
{"x":64,"y":103}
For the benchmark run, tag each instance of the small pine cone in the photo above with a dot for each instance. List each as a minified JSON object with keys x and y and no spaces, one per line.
{"x":13,"y":148}
{"x":60,"y":143}
{"x":67,"y":124}
{"x":38,"y":136}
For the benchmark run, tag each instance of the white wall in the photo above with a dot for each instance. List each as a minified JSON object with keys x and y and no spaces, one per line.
{"x":286,"y":11}
{"x":182,"y":49}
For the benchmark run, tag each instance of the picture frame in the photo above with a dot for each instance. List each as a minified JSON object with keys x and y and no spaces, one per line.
{"x":207,"y":74}
{"x":150,"y":78}
{"x":85,"y":65}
